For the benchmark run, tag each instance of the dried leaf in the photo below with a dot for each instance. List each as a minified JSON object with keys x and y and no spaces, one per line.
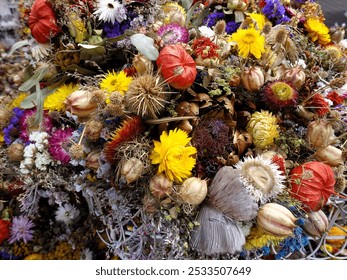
{"x":36,"y":78}
{"x":145,"y":45}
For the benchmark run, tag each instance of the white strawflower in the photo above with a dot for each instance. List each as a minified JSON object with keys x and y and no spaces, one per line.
{"x":110,"y":11}
{"x":40,"y":51}
{"x":67,"y":214}
{"x":206,"y":32}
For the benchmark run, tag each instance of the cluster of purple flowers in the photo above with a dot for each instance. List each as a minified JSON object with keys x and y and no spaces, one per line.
{"x":211,"y":20}
{"x":274,"y":9}
{"x":17,"y":114}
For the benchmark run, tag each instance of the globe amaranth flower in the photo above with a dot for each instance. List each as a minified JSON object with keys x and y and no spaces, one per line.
{"x":263,"y":128}
{"x":317,"y":31}
{"x":279,"y":94}
{"x":59,"y":143}
{"x":173,"y":33}
{"x":249,"y":41}
{"x":175,"y":159}
{"x":21,"y":229}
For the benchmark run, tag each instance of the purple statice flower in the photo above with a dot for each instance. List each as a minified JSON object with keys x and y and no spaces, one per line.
{"x":212,"y":18}
{"x":274,"y":9}
{"x":17,"y":115}
{"x":116,"y":29}
{"x":21,"y":229}
{"x":59,"y":143}
{"x":24,"y":129}
{"x":173,"y":33}
{"x":232,"y":26}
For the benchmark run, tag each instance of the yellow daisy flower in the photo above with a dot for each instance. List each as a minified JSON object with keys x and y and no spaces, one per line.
{"x":263,"y":128}
{"x":258,"y":239}
{"x":55,"y":101}
{"x":249,"y":41}
{"x":259,"y":19}
{"x":317,"y":31}
{"x":16,"y":102}
{"x":172,"y":155}
{"x":116,"y":82}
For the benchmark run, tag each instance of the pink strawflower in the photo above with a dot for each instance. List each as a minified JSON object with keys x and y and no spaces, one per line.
{"x":59,"y":143}
{"x":173,"y":33}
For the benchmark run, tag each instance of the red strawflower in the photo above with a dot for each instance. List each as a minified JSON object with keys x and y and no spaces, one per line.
{"x":4,"y":230}
{"x":130,"y":71}
{"x":335,"y":98}
{"x":319,"y":104}
{"x":205,"y":48}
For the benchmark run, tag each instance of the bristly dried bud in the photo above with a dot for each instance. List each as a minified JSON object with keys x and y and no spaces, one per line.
{"x":93,"y":130}
{"x":116,"y":98}
{"x":131,"y":170}
{"x":114,"y":110}
{"x":5,"y":116}
{"x":160,"y":186}
{"x":219,"y":28}
{"x":320,"y":133}
{"x":15,"y":152}
{"x":267,"y":28}
{"x":76,"y":151}
{"x":98,"y":96}
{"x":281,"y":36}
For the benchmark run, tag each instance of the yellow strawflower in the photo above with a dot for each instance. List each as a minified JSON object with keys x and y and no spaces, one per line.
{"x":16,"y":102}
{"x":259,"y":19}
{"x":116,"y":82}
{"x":249,"y":41}
{"x":55,"y":101}
{"x":263,"y":128}
{"x":317,"y":31}
{"x":172,"y":155}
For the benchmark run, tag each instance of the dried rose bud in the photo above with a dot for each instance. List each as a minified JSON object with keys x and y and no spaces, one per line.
{"x":93,"y":130}
{"x":320,"y":133}
{"x":160,"y":186}
{"x":80,"y":103}
{"x":15,"y":152}
{"x":132,"y":169}
{"x":92,"y":160}
{"x":193,"y":191}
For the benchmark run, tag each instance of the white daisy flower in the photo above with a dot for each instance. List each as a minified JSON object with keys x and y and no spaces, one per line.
{"x":67,"y":214}
{"x":110,"y":11}
{"x":40,"y":51}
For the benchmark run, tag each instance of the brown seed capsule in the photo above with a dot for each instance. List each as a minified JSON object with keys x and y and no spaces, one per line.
{"x":253,"y":78}
{"x":131,"y":170}
{"x":15,"y":152}
{"x":5,"y":116}
{"x":193,"y":191}
{"x":93,"y":130}
{"x":80,"y":103}
{"x":160,"y":186}
{"x":92,"y":160}
{"x":320,"y":133}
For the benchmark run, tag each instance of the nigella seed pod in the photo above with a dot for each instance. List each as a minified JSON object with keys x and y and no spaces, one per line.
{"x":253,"y":78}
{"x":193,"y":191}
{"x":160,"y":186}
{"x":316,"y":224}
{"x":93,"y":130}
{"x":276,"y":219}
{"x":320,"y":133}
{"x":80,"y":103}
{"x":296,"y":76}
{"x":92,"y":160}
{"x":132,"y":169}
{"x":330,"y":155}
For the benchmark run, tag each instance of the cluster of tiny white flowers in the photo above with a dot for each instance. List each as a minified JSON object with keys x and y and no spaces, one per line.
{"x":36,"y":154}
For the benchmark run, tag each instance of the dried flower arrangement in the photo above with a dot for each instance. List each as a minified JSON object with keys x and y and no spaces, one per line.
{"x":173,"y":130}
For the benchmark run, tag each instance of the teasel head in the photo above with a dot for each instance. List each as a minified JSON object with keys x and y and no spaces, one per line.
{"x":146,"y":96}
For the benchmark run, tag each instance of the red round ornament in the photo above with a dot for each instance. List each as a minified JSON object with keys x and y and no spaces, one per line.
{"x":177,"y":66}
{"x":4,"y":230}
{"x":312,"y":183}
{"x":42,"y":21}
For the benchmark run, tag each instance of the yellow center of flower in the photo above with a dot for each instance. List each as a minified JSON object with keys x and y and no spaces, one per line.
{"x":282,"y":91}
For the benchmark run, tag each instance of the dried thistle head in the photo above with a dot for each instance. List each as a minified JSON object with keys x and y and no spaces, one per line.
{"x":146,"y":96}
{"x":98,"y":96}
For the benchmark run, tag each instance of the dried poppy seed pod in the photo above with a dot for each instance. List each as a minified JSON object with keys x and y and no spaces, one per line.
{"x":253,"y":78}
{"x":193,"y":191}
{"x":80,"y":103}
{"x":320,"y":133}
{"x":276,"y":219}
{"x":330,"y":155}
{"x":316,"y":224}
{"x":296,"y":76}
{"x":160,"y":186}
{"x":15,"y":152}
{"x":132,"y":169}
{"x":93,"y":130}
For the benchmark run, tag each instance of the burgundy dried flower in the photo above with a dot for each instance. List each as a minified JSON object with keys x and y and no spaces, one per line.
{"x":59,"y":145}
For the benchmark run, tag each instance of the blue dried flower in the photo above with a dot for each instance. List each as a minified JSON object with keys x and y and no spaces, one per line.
{"x":274,"y":9}
{"x":212,"y":18}
{"x":17,"y":114}
{"x":232,"y":26}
